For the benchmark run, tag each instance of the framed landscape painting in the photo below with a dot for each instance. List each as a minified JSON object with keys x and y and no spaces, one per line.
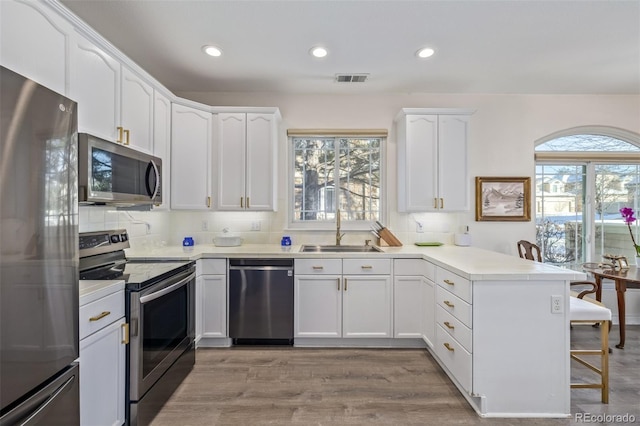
{"x":503,"y":199}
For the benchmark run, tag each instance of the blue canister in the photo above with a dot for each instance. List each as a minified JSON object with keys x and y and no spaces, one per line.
{"x":285,"y":243}
{"x":188,"y":243}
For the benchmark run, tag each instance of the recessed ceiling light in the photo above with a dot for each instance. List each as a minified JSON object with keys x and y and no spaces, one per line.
{"x":425,"y":52}
{"x":212,"y":50}
{"x":318,"y":52}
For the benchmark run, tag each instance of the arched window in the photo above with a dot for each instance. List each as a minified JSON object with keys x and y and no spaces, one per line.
{"x":599,"y":169}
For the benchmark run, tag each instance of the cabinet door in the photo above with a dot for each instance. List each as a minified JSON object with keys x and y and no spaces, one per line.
{"x":418,"y":164}
{"x":318,"y":306}
{"x":428,"y":311}
{"x":162,"y":143}
{"x":190,"y":158}
{"x":102,"y":376}
{"x":214,"y":306}
{"x":95,"y":85}
{"x":137,"y":111}
{"x":35,"y":42}
{"x":453,"y":183}
{"x":261,"y":161}
{"x":231,"y":144}
{"x":367,"y":306}
{"x":407,"y":307}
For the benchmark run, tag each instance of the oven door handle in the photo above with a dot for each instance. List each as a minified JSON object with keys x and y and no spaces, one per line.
{"x":166,"y":290}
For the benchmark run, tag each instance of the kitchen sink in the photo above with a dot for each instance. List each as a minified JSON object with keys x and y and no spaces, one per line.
{"x":340,"y":249}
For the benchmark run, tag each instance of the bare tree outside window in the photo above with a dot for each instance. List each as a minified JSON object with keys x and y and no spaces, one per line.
{"x":331,"y":173}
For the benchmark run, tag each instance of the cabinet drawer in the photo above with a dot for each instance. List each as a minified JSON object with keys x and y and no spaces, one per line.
{"x":366,"y":266}
{"x":100,"y":313}
{"x":457,"y":285}
{"x":454,"y":327}
{"x":456,"y":358}
{"x":454,"y":305}
{"x":318,"y":266}
{"x":214,"y":267}
{"x":414,"y":267}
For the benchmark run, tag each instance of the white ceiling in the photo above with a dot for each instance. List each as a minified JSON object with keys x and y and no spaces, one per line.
{"x":482,"y":46}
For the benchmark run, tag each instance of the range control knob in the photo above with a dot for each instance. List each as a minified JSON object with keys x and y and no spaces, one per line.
{"x":115,"y":238}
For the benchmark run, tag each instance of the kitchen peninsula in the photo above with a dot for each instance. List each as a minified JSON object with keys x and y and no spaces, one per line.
{"x":485,"y":316}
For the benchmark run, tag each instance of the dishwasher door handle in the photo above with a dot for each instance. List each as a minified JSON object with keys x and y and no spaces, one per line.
{"x":260,"y":268}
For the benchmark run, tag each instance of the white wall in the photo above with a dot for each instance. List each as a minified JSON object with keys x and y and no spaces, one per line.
{"x":503,"y":131}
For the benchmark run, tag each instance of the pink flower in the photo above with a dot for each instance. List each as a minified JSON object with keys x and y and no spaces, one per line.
{"x":629,"y":218}
{"x":627,"y":215}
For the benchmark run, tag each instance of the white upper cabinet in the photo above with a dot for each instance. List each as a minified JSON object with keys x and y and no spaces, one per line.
{"x":95,"y":85}
{"x":136,"y":111}
{"x":432,"y":160}
{"x":114,"y":102}
{"x":246,"y":161}
{"x":35,"y":42}
{"x":191,"y":131}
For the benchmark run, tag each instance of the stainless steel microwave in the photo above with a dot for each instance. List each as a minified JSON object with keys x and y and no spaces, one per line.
{"x":109,"y":173}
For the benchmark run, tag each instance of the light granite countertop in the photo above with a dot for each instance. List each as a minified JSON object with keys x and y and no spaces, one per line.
{"x":92,"y":290}
{"x":470,"y":262}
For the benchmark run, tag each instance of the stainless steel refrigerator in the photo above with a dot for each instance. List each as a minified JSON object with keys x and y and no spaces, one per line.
{"x":39,"y":382}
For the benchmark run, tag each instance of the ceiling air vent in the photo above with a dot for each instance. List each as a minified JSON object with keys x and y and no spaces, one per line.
{"x":351,"y":78}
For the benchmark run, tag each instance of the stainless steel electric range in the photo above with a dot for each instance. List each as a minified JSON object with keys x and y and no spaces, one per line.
{"x":160,"y":310}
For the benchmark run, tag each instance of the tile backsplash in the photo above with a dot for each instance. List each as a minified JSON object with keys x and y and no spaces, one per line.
{"x":162,"y":227}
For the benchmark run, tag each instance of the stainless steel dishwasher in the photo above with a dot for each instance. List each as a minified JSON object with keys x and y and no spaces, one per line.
{"x":261,"y":301}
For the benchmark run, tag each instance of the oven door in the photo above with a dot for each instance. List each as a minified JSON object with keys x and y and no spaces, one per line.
{"x":162,"y":326}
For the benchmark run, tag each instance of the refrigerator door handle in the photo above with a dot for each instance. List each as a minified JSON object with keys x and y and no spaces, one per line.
{"x":35,"y":414}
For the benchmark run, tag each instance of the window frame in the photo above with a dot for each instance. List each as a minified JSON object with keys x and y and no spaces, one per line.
{"x":345,"y":225}
{"x":589,"y":160}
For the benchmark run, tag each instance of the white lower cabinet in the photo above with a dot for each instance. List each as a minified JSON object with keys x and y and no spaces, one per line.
{"x":103,"y":339}
{"x":413,"y":299}
{"x":454,"y":314}
{"x":332,"y":301}
{"x":211,"y":302}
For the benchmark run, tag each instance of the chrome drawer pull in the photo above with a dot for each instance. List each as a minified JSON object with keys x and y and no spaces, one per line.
{"x":446,"y":345}
{"x":449,"y":282}
{"x":100,"y":316}
{"x":449,"y":326}
{"x":449,"y":304}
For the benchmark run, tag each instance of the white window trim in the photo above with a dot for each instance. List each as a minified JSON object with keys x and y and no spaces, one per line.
{"x":345,"y":225}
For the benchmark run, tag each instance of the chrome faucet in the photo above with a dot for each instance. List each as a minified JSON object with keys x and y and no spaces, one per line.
{"x":338,"y":234}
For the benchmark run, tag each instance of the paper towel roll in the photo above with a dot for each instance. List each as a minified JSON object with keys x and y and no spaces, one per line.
{"x":462,"y":239}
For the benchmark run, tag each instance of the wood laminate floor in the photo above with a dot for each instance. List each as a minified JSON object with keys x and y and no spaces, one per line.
{"x":300,"y":386}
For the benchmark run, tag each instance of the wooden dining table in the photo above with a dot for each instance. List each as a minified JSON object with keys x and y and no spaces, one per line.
{"x":623,"y":278}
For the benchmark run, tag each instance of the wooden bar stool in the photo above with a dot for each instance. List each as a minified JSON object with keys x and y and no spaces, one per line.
{"x":583,"y":311}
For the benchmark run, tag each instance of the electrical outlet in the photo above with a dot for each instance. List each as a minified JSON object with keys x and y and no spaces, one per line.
{"x":205,"y":225}
{"x":557,"y":305}
{"x":419,"y":227}
{"x":256,"y":226}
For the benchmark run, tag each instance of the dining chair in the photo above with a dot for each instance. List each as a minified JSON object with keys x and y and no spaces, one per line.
{"x":583,"y":310}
